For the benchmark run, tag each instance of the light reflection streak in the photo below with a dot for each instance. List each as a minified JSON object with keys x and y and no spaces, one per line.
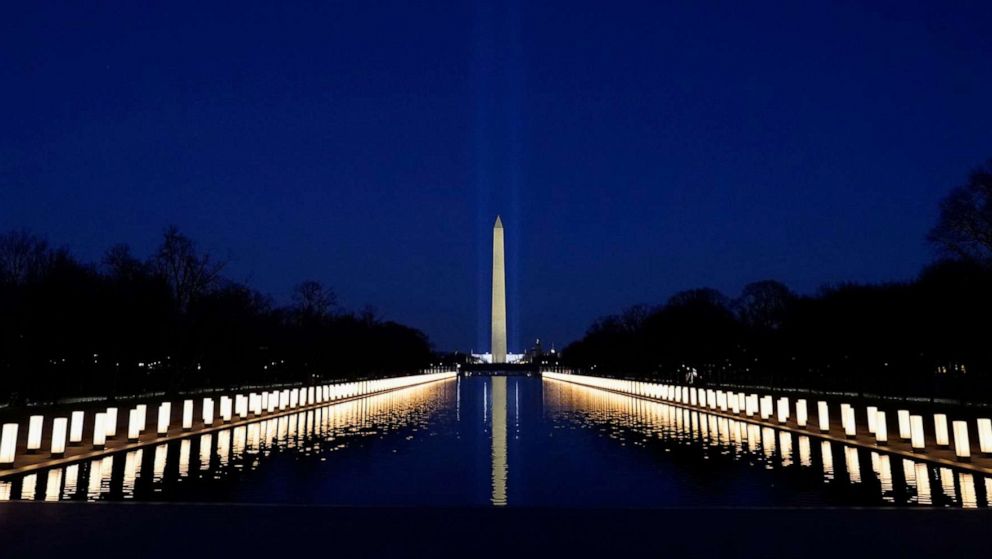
{"x":621,"y":418}
{"x":909,"y":474}
{"x":626,"y":417}
{"x":805,"y":457}
{"x":768,"y":444}
{"x":884,"y":471}
{"x":99,"y":477}
{"x":499,"y":461}
{"x":223,"y":447}
{"x":923,"y":484}
{"x":158,"y":467}
{"x":827,"y":457}
{"x":853,"y":464}
{"x":969,"y":498}
{"x":184,"y":450}
{"x":132,"y":468}
{"x":28,"y":485}
{"x":53,"y":487}
{"x":785,"y":447}
{"x":71,"y":480}
{"x":242,"y":446}
{"x":206,"y":446}
{"x":947,"y":482}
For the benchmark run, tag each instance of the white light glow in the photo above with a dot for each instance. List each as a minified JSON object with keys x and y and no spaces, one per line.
{"x":164,"y":417}
{"x":111,"y":423}
{"x":985,"y":436}
{"x":208,"y":411}
{"x":962,"y":447}
{"x":99,"y":430}
{"x":940,"y":429}
{"x":76,"y":427}
{"x":59,"y":427}
{"x":905,"y":431}
{"x":142,"y":416}
{"x":187,"y":415}
{"x":225,"y":409}
{"x":823,"y":416}
{"x":8,"y":444}
{"x":917,"y":435}
{"x":848,"y":421}
{"x":881,"y":428}
{"x":35,"y":426}
{"x":134,"y":424}
{"x":872,"y":415}
{"x":783,"y":410}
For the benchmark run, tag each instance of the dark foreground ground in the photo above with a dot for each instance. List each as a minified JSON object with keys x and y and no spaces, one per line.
{"x":141,"y":530}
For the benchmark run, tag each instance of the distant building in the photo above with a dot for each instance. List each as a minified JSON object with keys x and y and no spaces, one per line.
{"x":488,"y":358}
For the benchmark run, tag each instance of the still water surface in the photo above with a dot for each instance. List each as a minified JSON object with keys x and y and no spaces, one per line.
{"x":506,"y":441}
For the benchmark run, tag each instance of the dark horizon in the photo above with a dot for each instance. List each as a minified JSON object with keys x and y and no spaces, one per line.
{"x":633,"y":151}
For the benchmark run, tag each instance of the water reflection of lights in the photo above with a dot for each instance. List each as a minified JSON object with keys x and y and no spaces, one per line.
{"x":158,"y":468}
{"x":132,"y":467}
{"x":827,"y":457}
{"x":765,"y":446}
{"x":184,"y":450}
{"x":28,"y":486}
{"x":923,"y":484}
{"x":853,"y":464}
{"x":499,"y":463}
{"x":243,"y":447}
{"x":54,"y":485}
{"x":805,"y":457}
{"x":71,"y":479}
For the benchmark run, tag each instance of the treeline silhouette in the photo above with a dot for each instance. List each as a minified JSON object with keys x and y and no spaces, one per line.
{"x":928,"y":337}
{"x":173,"y":322}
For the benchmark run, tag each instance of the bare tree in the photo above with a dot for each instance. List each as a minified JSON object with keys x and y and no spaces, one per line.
{"x":189,"y":273}
{"x":964,"y":228}
{"x":312,"y":299}
{"x":121,"y":263}
{"x":764,"y":304}
{"x":369,"y":315}
{"x":703,"y":296}
{"x":22,"y":255}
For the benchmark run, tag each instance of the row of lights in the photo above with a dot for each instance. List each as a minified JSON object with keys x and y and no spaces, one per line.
{"x":910,"y":426}
{"x":105,"y":422}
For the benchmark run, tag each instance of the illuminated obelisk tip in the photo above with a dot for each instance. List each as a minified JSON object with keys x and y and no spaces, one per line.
{"x":499,"y":296}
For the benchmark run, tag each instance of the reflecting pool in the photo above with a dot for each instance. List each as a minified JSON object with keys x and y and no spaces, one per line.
{"x":506,"y":441}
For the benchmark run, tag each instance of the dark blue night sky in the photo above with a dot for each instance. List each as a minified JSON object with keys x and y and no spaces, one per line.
{"x":633,"y":149}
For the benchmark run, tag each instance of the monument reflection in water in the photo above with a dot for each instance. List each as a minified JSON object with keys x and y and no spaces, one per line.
{"x":499,"y":460}
{"x":506,"y":441}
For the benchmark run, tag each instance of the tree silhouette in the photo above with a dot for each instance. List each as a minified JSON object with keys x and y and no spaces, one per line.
{"x":964,"y":228}
{"x":313,"y":300}
{"x":189,"y":273}
{"x":764,"y":304}
{"x":22,"y":255}
{"x":171,"y":323}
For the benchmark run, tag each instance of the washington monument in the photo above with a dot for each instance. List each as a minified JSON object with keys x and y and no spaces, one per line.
{"x":499,"y":296}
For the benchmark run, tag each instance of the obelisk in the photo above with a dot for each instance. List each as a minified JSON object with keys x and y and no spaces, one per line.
{"x":499,"y":296}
